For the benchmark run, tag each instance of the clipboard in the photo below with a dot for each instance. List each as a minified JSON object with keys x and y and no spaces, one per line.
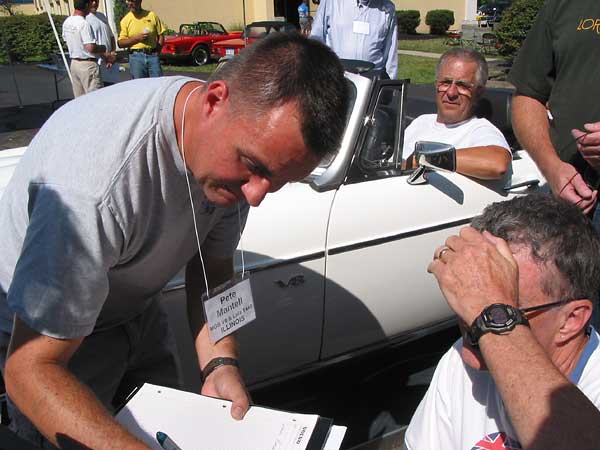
{"x":196,"y":421}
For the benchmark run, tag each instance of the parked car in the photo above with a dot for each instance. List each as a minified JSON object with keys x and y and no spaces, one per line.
{"x":194,"y":42}
{"x":252,"y":32}
{"x":491,"y":13}
{"x":338,"y":261}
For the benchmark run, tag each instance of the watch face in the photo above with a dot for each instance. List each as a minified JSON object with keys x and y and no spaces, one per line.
{"x":499,"y":315}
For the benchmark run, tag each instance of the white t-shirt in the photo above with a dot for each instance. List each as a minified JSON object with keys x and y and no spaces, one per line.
{"x":76,"y":33}
{"x":102,"y":31}
{"x":463,"y":410}
{"x":473,"y":132}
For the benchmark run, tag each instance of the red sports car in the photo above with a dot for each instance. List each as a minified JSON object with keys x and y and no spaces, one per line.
{"x":194,"y":42}
{"x":252,"y":32}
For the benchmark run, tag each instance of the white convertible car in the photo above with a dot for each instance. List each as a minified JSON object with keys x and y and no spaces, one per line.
{"x":338,"y":262}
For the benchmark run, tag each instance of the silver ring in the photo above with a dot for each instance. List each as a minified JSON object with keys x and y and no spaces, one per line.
{"x":442,"y":251}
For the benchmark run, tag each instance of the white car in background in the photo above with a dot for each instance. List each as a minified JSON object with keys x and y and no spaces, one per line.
{"x":338,"y":261}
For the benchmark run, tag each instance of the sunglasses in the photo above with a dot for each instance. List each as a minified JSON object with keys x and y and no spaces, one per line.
{"x":525,"y":311}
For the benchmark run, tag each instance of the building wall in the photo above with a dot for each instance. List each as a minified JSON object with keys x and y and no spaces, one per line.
{"x":464,"y":10}
{"x":231,"y":12}
{"x":61,"y":7}
{"x":27,"y":8}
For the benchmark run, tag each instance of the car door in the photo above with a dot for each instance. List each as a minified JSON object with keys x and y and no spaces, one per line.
{"x":382,"y":234}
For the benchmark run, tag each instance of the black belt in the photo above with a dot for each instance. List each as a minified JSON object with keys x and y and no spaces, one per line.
{"x":147,"y":51}
{"x":84,"y":59}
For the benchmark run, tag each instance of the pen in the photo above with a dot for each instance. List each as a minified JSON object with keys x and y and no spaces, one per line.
{"x":166,"y":442}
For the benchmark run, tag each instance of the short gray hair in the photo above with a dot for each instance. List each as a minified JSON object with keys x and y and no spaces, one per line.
{"x":481,"y":75}
{"x":558,"y":234}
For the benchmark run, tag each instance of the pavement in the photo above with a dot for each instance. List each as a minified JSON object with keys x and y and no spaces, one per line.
{"x":29,"y":95}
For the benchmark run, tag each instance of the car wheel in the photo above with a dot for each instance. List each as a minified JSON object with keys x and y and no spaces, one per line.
{"x":200,"y":55}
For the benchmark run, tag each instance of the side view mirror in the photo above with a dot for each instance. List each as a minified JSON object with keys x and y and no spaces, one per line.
{"x":432,"y":156}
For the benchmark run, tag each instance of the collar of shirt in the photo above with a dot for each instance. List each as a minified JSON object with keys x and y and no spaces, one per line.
{"x":360,"y":3}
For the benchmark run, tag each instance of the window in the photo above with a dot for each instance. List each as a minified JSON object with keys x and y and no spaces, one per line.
{"x":381,"y":148}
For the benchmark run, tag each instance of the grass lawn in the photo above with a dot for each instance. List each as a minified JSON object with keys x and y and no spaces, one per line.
{"x":435,"y":45}
{"x":419,"y":70}
{"x":207,"y":68}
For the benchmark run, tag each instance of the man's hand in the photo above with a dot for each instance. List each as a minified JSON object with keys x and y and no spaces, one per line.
{"x":226,"y":382}
{"x":588,"y":144}
{"x":142,"y":37}
{"x":475,"y":270}
{"x":110,"y":58}
{"x":567,"y":183}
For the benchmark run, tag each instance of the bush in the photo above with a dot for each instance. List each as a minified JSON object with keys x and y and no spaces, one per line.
{"x":28,"y":38}
{"x":439,"y":20}
{"x":515,"y":24}
{"x":120,"y":9}
{"x":408,"y":21}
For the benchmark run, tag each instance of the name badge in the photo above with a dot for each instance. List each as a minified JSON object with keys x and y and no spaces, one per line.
{"x":360,"y":27}
{"x":229,"y":308}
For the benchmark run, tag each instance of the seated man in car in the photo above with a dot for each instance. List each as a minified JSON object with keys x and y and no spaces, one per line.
{"x":522,"y":281}
{"x":481,"y":149}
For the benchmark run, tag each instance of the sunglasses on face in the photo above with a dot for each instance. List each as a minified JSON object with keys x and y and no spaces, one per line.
{"x":525,"y":311}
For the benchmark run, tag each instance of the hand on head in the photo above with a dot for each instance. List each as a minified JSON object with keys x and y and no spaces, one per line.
{"x":475,"y":270}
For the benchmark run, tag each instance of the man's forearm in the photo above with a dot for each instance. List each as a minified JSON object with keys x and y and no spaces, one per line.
{"x":127,"y":42}
{"x":487,"y":162}
{"x":64,"y":410}
{"x":547,"y":411}
{"x":530,"y":123}
{"x":217,"y":272}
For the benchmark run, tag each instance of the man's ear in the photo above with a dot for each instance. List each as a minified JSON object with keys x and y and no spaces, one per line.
{"x":216,"y":98}
{"x":574,"y":318}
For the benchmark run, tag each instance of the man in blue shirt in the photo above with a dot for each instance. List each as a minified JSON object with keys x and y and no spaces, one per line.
{"x":360,"y":29}
{"x":303,"y":17}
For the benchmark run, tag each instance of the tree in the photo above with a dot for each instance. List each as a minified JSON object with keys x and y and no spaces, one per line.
{"x":120,"y":9}
{"x":515,"y":24}
{"x":8,"y":6}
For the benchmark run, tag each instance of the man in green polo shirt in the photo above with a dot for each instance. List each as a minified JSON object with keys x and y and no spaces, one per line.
{"x":143,"y":33}
{"x":556,"y":112}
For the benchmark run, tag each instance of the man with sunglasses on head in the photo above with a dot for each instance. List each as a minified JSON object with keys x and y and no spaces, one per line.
{"x":522,"y":281}
{"x":482,"y":151}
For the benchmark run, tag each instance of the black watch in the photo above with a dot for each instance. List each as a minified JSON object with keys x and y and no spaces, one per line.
{"x":498,"y":319}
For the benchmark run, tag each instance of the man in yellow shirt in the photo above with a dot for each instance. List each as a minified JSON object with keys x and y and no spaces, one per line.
{"x":143,"y":33}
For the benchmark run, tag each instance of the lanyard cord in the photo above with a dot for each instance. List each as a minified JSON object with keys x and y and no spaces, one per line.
{"x":187,"y":180}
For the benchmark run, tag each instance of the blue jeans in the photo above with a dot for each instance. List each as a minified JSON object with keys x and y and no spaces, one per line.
{"x":144,"y":66}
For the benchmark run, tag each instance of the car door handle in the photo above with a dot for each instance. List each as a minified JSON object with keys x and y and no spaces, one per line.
{"x":515,"y":184}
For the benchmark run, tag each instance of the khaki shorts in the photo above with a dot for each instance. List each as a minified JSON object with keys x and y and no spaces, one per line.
{"x":86,"y":77}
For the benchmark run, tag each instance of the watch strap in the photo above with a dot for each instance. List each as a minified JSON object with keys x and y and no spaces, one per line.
{"x":218,"y":362}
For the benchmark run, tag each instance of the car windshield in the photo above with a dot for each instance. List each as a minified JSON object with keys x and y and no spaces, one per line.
{"x":201,"y":29}
{"x":255,"y":32}
{"x":326,"y":162}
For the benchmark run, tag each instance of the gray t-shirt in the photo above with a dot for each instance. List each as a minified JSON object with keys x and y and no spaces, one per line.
{"x":97,"y":218}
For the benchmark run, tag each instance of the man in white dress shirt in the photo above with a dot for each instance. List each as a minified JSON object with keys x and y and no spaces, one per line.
{"x":360,"y":29}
